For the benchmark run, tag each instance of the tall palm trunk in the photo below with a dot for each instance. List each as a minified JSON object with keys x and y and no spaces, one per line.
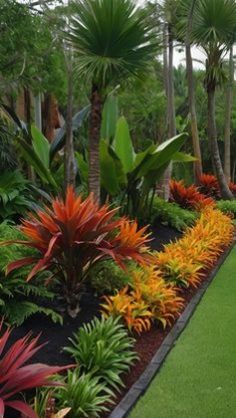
{"x":171,"y":124}
{"x":94,"y":139}
{"x":70,"y":166}
{"x":228,"y":111}
{"x":212,"y":132}
{"x":191,"y":96}
{"x":171,"y":92}
{"x":193,"y":114}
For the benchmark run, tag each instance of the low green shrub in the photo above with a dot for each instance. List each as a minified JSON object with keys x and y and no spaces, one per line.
{"x":108,"y":278}
{"x":172,"y":214}
{"x":227,"y":206}
{"x":16,"y":295}
{"x":85,"y":394}
{"x":104,"y":349}
{"x":14,"y":195}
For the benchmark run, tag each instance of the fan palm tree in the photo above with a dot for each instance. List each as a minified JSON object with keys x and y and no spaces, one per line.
{"x":112,"y":40}
{"x":213,"y":26}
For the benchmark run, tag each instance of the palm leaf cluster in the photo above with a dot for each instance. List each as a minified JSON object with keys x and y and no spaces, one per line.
{"x":112,"y":39}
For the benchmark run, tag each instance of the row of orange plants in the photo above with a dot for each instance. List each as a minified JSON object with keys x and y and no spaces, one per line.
{"x":184,"y":262}
{"x":153,"y":294}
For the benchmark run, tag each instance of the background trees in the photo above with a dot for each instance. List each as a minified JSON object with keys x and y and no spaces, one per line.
{"x":108,"y":54}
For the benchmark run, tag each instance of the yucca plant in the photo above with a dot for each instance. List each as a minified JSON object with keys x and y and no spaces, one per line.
{"x":17,"y":375}
{"x":104,"y":349}
{"x":112,"y":40}
{"x":71,"y":235}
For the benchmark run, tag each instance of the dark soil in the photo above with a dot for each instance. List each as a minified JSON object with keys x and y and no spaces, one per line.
{"x":162,"y":235}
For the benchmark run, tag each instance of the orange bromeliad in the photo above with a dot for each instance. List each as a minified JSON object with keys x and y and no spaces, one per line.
{"x":72,"y":235}
{"x":149,"y":298}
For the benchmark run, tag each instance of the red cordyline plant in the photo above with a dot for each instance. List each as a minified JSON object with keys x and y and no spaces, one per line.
{"x":17,"y":376}
{"x":74,"y":234}
{"x":189,"y":197}
{"x":209,"y":186}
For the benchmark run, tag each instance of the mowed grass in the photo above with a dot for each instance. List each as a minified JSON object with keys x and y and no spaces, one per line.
{"x":198,"y":379}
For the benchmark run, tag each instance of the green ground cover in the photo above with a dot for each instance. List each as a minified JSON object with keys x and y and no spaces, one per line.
{"x":198,"y":377}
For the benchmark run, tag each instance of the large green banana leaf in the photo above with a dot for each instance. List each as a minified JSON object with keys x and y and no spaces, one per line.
{"x":110,"y":117}
{"x":33,"y":159}
{"x":40,"y":145}
{"x":77,"y":122}
{"x":123,"y":145}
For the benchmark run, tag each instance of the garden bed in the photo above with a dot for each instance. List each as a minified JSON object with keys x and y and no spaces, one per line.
{"x":57,"y":335}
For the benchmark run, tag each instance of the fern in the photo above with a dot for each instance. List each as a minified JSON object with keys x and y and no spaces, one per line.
{"x":16,"y":294}
{"x":14,"y":194}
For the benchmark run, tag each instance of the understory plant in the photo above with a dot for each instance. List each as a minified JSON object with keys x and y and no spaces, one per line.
{"x":150,"y":298}
{"x":84,"y":394}
{"x":107,"y":277}
{"x":188,"y":197}
{"x":14,"y":195}
{"x":72,"y":235}
{"x":184,"y":262}
{"x":172,"y":214}
{"x":104,"y":349}
{"x":227,"y":207}
{"x":17,"y":374}
{"x":19,"y":299}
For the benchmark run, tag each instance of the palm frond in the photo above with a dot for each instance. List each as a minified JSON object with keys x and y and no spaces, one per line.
{"x":111,"y":39}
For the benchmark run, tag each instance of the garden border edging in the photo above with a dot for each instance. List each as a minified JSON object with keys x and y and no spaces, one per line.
{"x":141,"y":385}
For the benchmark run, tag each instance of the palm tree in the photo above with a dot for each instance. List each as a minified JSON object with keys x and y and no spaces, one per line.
{"x":169,"y":9}
{"x":112,"y":40}
{"x":191,"y":94}
{"x":214,"y":22}
{"x":228,"y":114}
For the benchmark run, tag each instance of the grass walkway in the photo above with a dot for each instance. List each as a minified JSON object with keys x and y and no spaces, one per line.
{"x":198,"y":379}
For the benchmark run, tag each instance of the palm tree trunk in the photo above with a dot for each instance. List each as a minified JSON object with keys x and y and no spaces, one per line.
{"x":193,"y":114}
{"x":171,"y":125}
{"x":94,"y":140}
{"x":70,"y":166}
{"x":191,"y":96}
{"x":212,"y":132}
{"x":228,"y":111}
{"x":171,"y":92}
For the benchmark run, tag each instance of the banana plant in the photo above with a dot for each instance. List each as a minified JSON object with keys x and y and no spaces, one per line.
{"x":132,"y":175}
{"x":37,"y":151}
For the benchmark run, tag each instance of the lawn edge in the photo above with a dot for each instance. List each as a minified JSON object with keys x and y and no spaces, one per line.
{"x":141,"y":385}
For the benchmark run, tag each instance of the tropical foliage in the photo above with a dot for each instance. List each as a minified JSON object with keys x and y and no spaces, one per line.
{"x":149,"y":299}
{"x":184,"y":262}
{"x":189,"y":197}
{"x":17,"y":374}
{"x":104,"y":349}
{"x":72,"y":235}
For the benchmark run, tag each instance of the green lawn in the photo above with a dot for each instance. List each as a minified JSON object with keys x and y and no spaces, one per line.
{"x":198,"y":379}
